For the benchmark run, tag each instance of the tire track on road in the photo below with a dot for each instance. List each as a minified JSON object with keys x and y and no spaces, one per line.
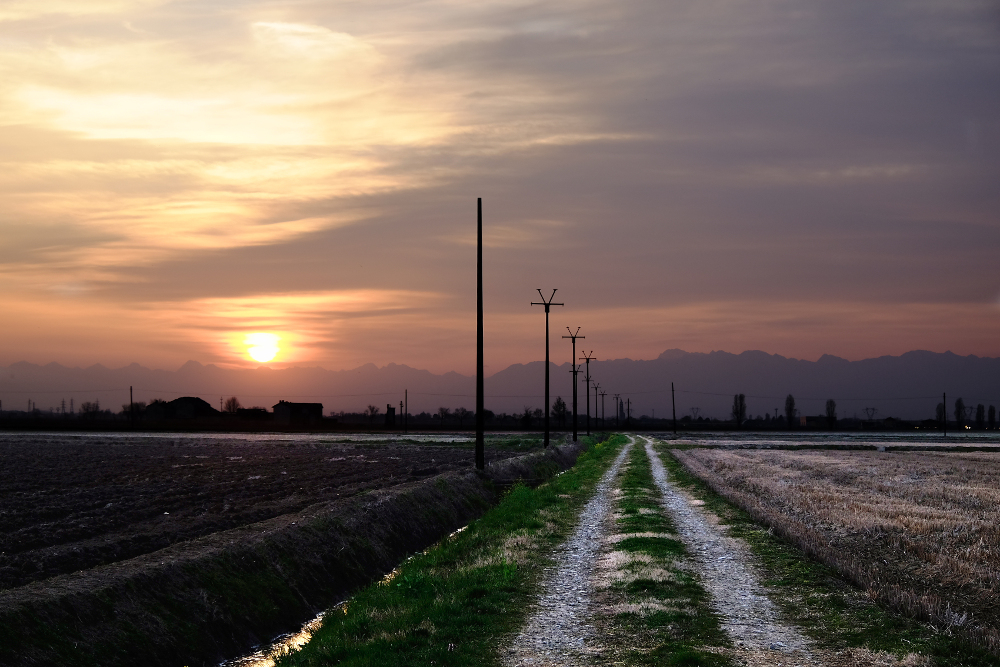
{"x":558,"y":632}
{"x":748,"y":614}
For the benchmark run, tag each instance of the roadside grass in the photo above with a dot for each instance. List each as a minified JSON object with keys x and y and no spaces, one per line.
{"x":813,"y":596}
{"x":658,"y":612}
{"x":454,"y":603}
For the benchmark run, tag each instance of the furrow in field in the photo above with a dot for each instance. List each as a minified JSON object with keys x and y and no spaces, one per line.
{"x":557,"y":633}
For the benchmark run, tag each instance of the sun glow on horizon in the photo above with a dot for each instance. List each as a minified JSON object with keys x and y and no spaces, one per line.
{"x":262,"y":347}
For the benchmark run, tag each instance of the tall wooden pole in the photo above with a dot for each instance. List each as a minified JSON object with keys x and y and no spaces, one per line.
{"x":586,"y":380}
{"x":673,"y":405}
{"x":480,"y":414}
{"x":131,"y":408}
{"x":575,"y":369}
{"x":944,"y":413}
{"x":547,"y":305}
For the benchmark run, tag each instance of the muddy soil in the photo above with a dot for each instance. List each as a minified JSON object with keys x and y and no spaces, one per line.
{"x":71,"y":502}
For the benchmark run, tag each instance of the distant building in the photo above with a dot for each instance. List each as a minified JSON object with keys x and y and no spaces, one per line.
{"x":298,"y":414}
{"x":253,"y":413}
{"x":390,"y":415}
{"x":185,"y":407}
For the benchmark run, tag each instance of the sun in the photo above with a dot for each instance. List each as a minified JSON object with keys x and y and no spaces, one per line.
{"x":262,"y":347}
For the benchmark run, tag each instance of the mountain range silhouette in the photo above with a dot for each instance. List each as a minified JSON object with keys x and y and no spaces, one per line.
{"x":908,"y":386}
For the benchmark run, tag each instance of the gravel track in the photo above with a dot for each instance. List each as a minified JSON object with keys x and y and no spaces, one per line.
{"x":558,"y":631}
{"x":723,"y":562}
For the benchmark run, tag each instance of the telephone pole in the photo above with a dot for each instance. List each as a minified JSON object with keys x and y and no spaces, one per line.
{"x":604,"y":422}
{"x":944,"y":415}
{"x":576,"y":369}
{"x":547,"y":305}
{"x":586,"y":380}
{"x":673,"y":405}
{"x":617,"y":408}
{"x":597,"y":387}
{"x":480,"y":415}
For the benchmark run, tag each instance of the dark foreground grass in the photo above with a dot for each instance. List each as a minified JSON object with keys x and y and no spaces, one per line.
{"x":454,"y":603}
{"x":668,"y":619}
{"x":813,"y":596}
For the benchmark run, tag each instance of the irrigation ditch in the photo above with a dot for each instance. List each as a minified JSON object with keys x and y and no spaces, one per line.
{"x":205,"y":600}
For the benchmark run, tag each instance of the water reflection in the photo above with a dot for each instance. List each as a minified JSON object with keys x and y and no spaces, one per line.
{"x":282,"y":645}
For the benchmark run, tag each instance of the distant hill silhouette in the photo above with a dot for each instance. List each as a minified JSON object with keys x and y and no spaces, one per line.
{"x":908,"y":386}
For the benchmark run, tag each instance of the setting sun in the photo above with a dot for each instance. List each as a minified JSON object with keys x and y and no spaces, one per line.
{"x":262,"y":347}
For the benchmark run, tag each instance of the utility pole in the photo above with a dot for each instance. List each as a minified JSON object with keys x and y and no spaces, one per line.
{"x":604,"y":422}
{"x":673,"y":405}
{"x":576,"y":369}
{"x":944,"y":414}
{"x":597,"y":386}
{"x":480,"y":414}
{"x":547,"y":305}
{"x":586,"y":380}
{"x":628,"y":414}
{"x":617,"y":409}
{"x":131,"y":408}
{"x":406,"y":410}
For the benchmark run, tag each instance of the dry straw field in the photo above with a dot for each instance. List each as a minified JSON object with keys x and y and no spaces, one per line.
{"x":920,"y":531}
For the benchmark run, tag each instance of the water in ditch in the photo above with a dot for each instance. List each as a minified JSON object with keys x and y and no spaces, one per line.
{"x":282,"y":645}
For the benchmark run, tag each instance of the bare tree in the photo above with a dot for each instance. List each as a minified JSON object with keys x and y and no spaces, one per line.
{"x":960,"y":412}
{"x":444,"y":413}
{"x":461,"y":414}
{"x":790,"y":410}
{"x":526,"y":417}
{"x":831,"y":413}
{"x":139,"y":407}
{"x":372,"y":412}
{"x":559,"y":410}
{"x":231,"y":405}
{"x":739,"y":409}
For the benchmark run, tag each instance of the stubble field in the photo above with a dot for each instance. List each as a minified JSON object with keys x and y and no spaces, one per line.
{"x":71,"y":502}
{"x":919,"y":531}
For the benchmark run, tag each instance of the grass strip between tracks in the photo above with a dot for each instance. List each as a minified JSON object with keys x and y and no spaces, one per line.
{"x":659,"y":613}
{"x":814,"y":597}
{"x":456,"y":602}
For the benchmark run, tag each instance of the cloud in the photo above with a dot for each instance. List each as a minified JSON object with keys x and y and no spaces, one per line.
{"x":21,"y":10}
{"x":661,"y":156}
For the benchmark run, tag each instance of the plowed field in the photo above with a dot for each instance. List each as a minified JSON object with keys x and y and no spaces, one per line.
{"x":71,"y":502}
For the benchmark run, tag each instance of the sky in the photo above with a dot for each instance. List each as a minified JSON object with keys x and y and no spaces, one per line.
{"x":798,"y":178}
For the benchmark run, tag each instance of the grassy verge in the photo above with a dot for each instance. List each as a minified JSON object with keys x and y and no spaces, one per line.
{"x":452,"y":604}
{"x":659,"y":613}
{"x":812,"y":596}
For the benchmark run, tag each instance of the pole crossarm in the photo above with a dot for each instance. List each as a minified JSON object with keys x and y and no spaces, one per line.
{"x":547,"y":303}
